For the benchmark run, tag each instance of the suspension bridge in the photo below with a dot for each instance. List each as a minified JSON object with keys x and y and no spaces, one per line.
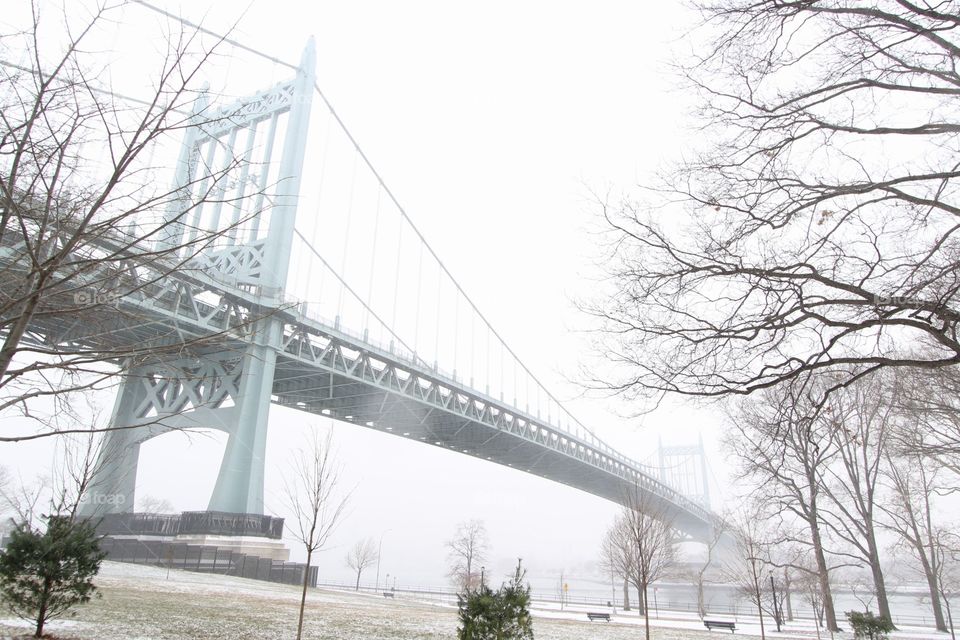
{"x":407,"y":354}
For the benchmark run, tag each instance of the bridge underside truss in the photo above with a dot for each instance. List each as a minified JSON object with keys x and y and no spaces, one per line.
{"x":325,"y":372}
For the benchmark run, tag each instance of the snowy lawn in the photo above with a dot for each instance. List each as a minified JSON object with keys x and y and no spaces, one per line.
{"x":143,"y":603}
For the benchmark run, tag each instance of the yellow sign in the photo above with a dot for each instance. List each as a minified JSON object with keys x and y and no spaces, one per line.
{"x":566,"y":587}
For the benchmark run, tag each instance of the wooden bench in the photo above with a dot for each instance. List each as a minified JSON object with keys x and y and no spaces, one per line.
{"x":387,"y":594}
{"x":719,"y":624}
{"x":599,"y":616}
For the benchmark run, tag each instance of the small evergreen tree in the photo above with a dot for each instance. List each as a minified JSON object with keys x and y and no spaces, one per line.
{"x":500,"y":615}
{"x":867,"y":626}
{"x":43,"y":575}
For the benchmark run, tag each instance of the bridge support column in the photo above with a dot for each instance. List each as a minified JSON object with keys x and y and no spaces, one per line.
{"x":239,"y":487}
{"x":115,"y":478}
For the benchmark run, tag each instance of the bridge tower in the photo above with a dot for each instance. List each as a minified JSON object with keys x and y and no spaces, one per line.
{"x":229,"y":389}
{"x":685,"y":469}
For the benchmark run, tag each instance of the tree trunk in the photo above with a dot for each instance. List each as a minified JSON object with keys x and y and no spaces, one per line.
{"x":946,"y":603}
{"x":303,"y":593}
{"x":357,"y":586}
{"x":759,"y":594}
{"x":934,"y":587}
{"x":646,"y":612}
{"x":626,"y":595}
{"x":823,"y":574}
{"x":823,"y":571}
{"x":701,"y":607}
{"x":641,"y":600}
{"x":930,"y":565}
{"x":40,"y":619}
{"x":883,"y":602}
{"x":42,"y":613}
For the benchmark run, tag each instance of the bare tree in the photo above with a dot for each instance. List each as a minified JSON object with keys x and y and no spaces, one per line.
{"x":87,"y":229}
{"x":77,"y":460}
{"x":928,"y":400}
{"x":650,"y":531}
{"x":914,"y":481}
{"x":619,"y":552}
{"x":617,"y":557}
{"x":815,"y":225}
{"x":6,"y":481}
{"x":748,"y":567}
{"x":783,"y":450}
{"x":21,"y":498}
{"x":859,"y":419}
{"x":362,"y":554}
{"x":466,"y":550}
{"x":76,"y":474}
{"x":808,"y":585}
{"x":155,"y":506}
{"x":312,"y":496}
{"x":947,"y":549}
{"x":717,"y":534}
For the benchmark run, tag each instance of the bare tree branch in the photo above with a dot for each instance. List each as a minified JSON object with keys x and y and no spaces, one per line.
{"x":815,"y":228}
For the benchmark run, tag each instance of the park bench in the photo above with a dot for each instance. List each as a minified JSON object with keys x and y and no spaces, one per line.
{"x":387,"y":594}
{"x":599,"y":616}
{"x":719,"y":624}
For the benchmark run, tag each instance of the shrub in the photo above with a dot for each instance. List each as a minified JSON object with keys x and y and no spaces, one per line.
{"x":496,"y":615}
{"x":868,"y":626}
{"x":43,"y":575}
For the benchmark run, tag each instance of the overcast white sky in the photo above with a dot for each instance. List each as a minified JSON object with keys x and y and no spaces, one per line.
{"x":491,"y":122}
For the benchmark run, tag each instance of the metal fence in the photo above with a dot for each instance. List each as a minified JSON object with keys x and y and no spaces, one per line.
{"x":663,"y":607}
{"x":191,"y":522}
{"x":205,"y":559}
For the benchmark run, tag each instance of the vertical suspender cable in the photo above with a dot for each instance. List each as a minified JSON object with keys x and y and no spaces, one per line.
{"x":346,"y":234}
{"x":501,"y":371}
{"x":488,"y":358}
{"x":456,"y":330}
{"x":416,"y":320}
{"x":373,"y":260}
{"x":316,"y":213}
{"x":396,"y":276}
{"x":436,"y":328}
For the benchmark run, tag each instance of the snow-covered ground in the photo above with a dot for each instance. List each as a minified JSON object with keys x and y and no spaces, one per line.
{"x":147,"y":603}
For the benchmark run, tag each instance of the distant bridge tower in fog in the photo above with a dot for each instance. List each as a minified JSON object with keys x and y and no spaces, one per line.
{"x":684,"y":468}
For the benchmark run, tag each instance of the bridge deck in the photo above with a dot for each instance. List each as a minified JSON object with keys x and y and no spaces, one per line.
{"x":337,"y":375}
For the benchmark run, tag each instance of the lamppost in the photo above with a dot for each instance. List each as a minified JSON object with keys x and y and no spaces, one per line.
{"x":656,"y":608}
{"x":379,"y":549}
